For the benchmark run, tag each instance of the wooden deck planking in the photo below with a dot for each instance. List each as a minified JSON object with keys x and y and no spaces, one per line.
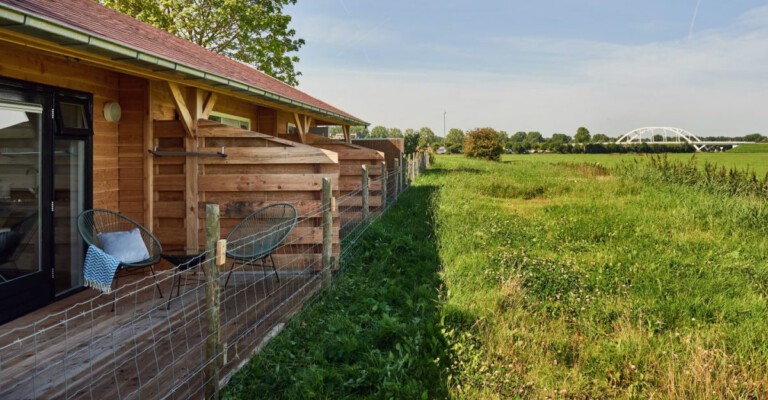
{"x":141,"y":350}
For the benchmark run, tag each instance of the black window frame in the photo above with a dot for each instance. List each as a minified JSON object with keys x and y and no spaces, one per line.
{"x":86,"y":102}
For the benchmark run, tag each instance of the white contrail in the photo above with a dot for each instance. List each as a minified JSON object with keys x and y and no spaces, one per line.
{"x":693,"y":20}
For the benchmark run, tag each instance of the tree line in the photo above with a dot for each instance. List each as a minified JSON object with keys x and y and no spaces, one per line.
{"x":521,"y":142}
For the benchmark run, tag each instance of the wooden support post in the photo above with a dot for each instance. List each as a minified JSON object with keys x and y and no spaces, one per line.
{"x":327,"y":232}
{"x":365,"y":193}
{"x":384,"y":185}
{"x":149,"y":161}
{"x":191,"y":172}
{"x":212,"y":300}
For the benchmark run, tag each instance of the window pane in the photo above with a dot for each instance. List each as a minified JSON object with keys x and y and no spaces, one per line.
{"x":20,"y":126}
{"x":73,"y":115}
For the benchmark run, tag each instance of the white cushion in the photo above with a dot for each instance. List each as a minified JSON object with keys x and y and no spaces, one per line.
{"x":126,"y":246}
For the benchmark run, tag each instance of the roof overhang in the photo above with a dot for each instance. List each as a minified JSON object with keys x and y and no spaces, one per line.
{"x":24,"y":22}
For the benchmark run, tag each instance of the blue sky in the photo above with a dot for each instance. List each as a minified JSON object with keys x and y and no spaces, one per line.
{"x":550,"y":66}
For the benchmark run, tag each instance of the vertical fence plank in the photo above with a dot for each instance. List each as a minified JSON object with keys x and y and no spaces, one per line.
{"x":327,"y":232}
{"x":366,"y":198}
{"x":212,"y":299}
{"x":383,"y":185}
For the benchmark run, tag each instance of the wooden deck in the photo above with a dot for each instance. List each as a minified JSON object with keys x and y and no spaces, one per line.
{"x":78,"y":348}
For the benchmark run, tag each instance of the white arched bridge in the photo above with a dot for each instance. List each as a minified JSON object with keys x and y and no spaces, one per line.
{"x":665,"y":135}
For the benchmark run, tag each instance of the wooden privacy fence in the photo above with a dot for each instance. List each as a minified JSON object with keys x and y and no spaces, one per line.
{"x":191,"y":344}
{"x":258,"y":170}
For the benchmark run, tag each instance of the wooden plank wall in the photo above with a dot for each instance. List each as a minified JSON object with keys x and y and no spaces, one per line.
{"x":351,"y":160}
{"x":25,"y":64}
{"x":259,"y":170}
{"x":393,"y":148}
{"x":131,"y":149}
{"x":282,"y":120}
{"x":266,"y":121}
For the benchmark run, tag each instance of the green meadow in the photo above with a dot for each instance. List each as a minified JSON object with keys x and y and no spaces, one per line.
{"x":752,"y":157}
{"x":542,"y":276}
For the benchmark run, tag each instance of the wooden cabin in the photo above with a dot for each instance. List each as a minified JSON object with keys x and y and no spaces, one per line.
{"x":86,"y":93}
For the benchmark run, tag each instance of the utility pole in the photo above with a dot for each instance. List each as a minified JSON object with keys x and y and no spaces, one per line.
{"x":444,"y":112}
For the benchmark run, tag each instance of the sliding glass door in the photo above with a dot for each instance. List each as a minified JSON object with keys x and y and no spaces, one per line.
{"x":45,"y":172}
{"x":21,"y":160}
{"x":69,"y":198}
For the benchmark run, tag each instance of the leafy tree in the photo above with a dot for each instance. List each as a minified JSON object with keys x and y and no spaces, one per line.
{"x":379,"y":131}
{"x":602,"y":138}
{"x":754,"y":137}
{"x":395,"y":133}
{"x":483,"y":143}
{"x":561,"y":138}
{"x":504,"y":139}
{"x":454,"y":141}
{"x":518,"y":137}
{"x":534,"y":137}
{"x":410,"y":141}
{"x":427,"y":137}
{"x":252,"y":31}
{"x":582,"y":135}
{"x":360,"y":132}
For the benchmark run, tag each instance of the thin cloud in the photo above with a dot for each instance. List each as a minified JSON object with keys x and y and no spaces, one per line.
{"x":713,"y":85}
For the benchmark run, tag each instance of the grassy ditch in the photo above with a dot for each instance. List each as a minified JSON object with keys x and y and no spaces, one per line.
{"x":375,"y":333}
{"x":568,"y":280}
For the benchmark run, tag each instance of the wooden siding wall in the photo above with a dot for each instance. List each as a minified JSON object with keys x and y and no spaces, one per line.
{"x":131,"y":149}
{"x":391,"y":147}
{"x":24,"y":64}
{"x":267,"y":120}
{"x":283,"y":118}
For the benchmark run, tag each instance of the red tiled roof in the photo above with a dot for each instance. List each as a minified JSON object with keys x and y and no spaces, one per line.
{"x":91,"y":17}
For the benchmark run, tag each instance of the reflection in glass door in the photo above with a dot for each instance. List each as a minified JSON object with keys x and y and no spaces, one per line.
{"x":20,"y":165}
{"x":68,"y":195}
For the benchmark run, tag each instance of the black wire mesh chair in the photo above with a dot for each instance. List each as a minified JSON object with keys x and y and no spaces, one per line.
{"x":257,"y":236}
{"x":92,"y":222}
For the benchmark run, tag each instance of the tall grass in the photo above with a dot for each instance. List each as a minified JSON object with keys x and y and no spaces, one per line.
{"x":375,"y":333}
{"x":567,"y":280}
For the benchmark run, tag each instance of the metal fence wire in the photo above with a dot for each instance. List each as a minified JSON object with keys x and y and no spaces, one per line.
{"x":153,"y":347}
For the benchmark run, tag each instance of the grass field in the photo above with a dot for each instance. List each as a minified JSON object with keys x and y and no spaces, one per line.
{"x":542,"y":276}
{"x":576,"y":281}
{"x":751,"y":157}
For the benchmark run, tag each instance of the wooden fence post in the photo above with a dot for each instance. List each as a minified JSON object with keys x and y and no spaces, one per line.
{"x":396,"y":183}
{"x":384,"y":179}
{"x":212,"y":300}
{"x":409,"y":169}
{"x":366,"y":198}
{"x":327,"y":232}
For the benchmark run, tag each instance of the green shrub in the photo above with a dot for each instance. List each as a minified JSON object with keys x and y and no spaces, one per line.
{"x":483,"y":143}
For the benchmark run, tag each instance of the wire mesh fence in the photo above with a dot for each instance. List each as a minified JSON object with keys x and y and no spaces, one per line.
{"x":162,"y":345}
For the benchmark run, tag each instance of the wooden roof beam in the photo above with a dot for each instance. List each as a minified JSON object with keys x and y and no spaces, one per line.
{"x":209,"y":103}
{"x":301,"y":126}
{"x":181,"y":106}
